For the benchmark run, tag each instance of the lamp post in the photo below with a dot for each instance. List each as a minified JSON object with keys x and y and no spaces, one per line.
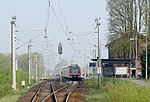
{"x":97,"y":20}
{"x":136,"y":47}
{"x":131,"y":41}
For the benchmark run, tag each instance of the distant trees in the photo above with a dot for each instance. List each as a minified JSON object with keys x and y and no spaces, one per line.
{"x":143,"y":59}
{"x":61,"y":64}
{"x":127,"y":18}
{"x":23,"y":63}
{"x":4,"y":61}
{"x":21,"y":73}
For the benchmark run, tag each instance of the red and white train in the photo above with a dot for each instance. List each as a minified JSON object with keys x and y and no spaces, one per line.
{"x":72,"y":72}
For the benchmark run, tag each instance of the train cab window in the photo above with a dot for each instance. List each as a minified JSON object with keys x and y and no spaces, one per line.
{"x":75,"y":70}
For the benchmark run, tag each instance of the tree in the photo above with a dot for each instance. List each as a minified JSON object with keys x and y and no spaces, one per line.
{"x":23,"y":63}
{"x":5,"y":60}
{"x":61,"y":64}
{"x":126,"y":20}
{"x":143,"y":59}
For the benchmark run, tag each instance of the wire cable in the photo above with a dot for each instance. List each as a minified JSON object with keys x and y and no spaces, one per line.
{"x":26,"y":29}
{"x":29,"y":40}
{"x":62,"y":13}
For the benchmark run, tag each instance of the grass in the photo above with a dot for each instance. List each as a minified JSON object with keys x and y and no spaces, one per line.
{"x":14,"y":96}
{"x":6,"y":90}
{"x":116,"y":90}
{"x":95,"y":92}
{"x":125,"y":91}
{"x":10,"y":98}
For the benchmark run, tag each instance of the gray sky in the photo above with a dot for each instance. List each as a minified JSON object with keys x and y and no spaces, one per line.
{"x":79,"y":16}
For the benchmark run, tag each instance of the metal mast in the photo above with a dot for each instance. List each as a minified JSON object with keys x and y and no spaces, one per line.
{"x":97,"y":21}
{"x":29,"y":63}
{"x":13,"y":52}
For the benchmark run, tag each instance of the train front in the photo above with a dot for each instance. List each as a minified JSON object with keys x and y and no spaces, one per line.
{"x":75,"y":72}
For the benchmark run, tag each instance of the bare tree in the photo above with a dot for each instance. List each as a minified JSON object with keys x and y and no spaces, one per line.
{"x":126,"y":20}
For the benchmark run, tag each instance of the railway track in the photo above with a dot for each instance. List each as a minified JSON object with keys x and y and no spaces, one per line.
{"x":42,"y":92}
{"x":61,"y":95}
{"x":77,"y":95}
{"x":53,"y":92}
{"x":30,"y":94}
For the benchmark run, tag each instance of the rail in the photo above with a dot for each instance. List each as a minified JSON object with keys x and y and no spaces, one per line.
{"x":69,"y":94}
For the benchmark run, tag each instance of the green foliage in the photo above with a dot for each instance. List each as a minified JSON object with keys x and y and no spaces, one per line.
{"x":4,"y":60}
{"x":116,"y":90}
{"x":143,"y":59}
{"x":5,"y":82}
{"x":21,"y":73}
{"x":125,"y":91}
{"x":5,"y":74}
{"x":21,"y":76}
{"x":23,"y":63}
{"x":95,"y":92}
{"x":127,"y":18}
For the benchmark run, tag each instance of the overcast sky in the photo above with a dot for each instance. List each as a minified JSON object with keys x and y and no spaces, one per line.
{"x":78,"y":15}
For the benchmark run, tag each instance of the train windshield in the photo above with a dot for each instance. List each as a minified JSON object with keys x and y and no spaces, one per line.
{"x":75,"y":69}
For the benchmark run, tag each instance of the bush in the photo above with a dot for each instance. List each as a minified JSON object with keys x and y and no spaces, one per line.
{"x":6,"y":81}
{"x":116,"y":90}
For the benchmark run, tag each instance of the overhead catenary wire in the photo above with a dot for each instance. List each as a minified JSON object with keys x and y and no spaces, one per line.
{"x":29,"y":40}
{"x":48,"y":15}
{"x":61,"y":25}
{"x":47,"y":25}
{"x":27,"y":29}
{"x":67,"y":29}
{"x":62,"y":14}
{"x":86,"y":41}
{"x":58,"y":20}
{"x":80,"y":34}
{"x":37,"y":34}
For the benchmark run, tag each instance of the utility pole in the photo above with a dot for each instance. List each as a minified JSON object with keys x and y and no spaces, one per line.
{"x":13,"y":51}
{"x":130,"y":56}
{"x":84,"y":66}
{"x":146,"y":52}
{"x":136,"y":56}
{"x":94,"y":57}
{"x":97,"y":20}
{"x":36,"y":67}
{"x":147,"y":21}
{"x":29,"y":63}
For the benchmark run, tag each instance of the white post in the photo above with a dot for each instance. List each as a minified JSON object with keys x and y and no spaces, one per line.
{"x":97,"y":20}
{"x":84,"y":66}
{"x":146,"y":53}
{"x":136,"y":56}
{"x":36,"y":67}
{"x":13,"y":52}
{"x":29,"y":63}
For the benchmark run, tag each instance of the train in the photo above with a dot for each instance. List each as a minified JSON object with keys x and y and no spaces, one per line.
{"x":71,"y":73}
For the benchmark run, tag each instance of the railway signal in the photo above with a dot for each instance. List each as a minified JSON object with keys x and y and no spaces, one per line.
{"x":60,"y":52}
{"x":60,"y":48}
